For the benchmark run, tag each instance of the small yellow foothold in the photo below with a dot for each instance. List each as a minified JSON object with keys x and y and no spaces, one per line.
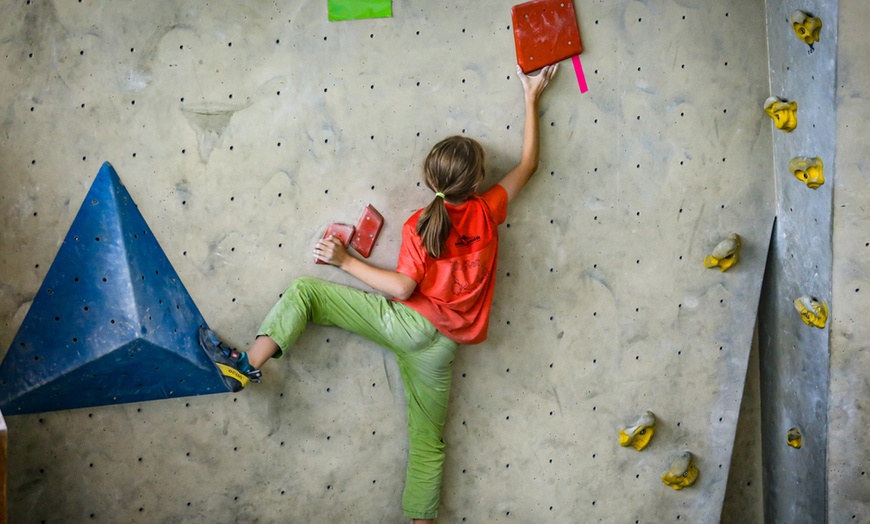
{"x":683,"y":472}
{"x":639,"y":435}
{"x":795,"y":438}
{"x":814,"y":312}
{"x":806,"y":27}
{"x":725,"y":254}
{"x":808,"y":170}
{"x":784,"y":114}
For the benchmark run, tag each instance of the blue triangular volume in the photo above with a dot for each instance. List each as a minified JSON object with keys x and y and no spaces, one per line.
{"x":112,"y":322}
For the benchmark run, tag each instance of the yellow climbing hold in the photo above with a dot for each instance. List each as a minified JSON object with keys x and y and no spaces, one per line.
{"x":784,"y":114}
{"x":725,"y":254}
{"x":814,"y":312}
{"x":808,"y":170}
{"x":639,"y":434}
{"x":806,"y":27}
{"x":683,"y":472}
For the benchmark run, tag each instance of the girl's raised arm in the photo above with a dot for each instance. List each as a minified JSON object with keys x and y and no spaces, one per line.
{"x":533,"y":86}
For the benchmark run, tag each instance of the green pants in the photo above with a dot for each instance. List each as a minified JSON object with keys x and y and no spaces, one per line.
{"x":425,"y":359}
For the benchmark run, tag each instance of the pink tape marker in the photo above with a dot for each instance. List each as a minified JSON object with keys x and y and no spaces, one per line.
{"x":578,"y":70}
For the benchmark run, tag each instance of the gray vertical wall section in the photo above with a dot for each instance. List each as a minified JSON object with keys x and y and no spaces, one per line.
{"x":794,"y":357}
{"x":242,"y":129}
{"x":848,"y":414}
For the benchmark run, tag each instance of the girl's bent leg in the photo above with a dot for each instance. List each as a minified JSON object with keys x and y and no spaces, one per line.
{"x":287,"y":318}
{"x":370,"y":315}
{"x":324,"y":303}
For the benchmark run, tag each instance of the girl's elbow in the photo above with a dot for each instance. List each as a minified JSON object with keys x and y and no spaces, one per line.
{"x":530,"y":165}
{"x":405,"y":290}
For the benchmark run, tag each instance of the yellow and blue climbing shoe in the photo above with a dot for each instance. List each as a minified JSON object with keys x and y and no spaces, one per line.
{"x":232,"y":365}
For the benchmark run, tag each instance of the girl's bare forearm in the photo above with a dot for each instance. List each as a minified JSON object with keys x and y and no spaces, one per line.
{"x":391,"y":283}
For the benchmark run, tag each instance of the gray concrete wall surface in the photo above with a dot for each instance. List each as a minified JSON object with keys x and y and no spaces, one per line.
{"x":744,"y":497}
{"x":794,"y":357}
{"x":848,"y":442}
{"x":242,"y":130}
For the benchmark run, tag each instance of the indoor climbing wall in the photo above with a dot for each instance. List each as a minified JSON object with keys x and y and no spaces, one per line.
{"x":794,"y":355}
{"x":242,"y":131}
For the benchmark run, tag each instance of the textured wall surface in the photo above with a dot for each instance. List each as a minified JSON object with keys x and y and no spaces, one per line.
{"x":744,"y":497}
{"x":848,"y":420}
{"x":794,"y":357}
{"x":241,"y":131}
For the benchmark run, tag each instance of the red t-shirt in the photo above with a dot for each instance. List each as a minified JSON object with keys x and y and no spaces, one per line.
{"x":454,"y":291}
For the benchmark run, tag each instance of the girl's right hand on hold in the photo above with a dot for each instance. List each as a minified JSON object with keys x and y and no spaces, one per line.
{"x":331,"y":251}
{"x":534,"y":85}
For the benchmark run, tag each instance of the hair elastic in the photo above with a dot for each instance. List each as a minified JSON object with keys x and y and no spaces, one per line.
{"x":439,"y":194}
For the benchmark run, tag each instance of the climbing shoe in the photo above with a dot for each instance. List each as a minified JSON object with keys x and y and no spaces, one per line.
{"x":231,"y":364}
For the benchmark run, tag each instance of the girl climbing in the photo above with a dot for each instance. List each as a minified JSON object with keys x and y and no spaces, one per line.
{"x":442,"y":290}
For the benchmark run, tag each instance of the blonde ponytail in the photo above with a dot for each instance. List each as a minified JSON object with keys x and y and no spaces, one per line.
{"x":434,"y":226}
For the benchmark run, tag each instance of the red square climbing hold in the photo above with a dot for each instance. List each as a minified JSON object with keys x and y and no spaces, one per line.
{"x":367,"y":230}
{"x":343,"y":232}
{"x":545,"y":32}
